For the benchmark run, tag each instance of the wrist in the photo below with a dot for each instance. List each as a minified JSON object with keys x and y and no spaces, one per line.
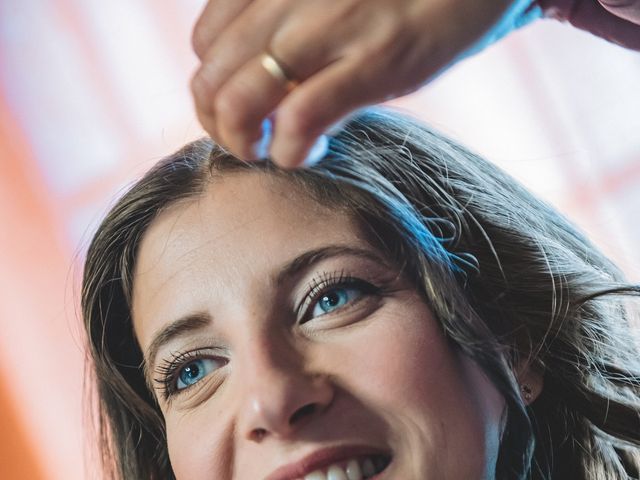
{"x":517,"y":15}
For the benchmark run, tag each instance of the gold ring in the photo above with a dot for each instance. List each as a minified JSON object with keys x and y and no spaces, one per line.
{"x":278,"y":71}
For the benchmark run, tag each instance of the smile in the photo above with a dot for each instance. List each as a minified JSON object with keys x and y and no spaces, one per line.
{"x":360,"y":468}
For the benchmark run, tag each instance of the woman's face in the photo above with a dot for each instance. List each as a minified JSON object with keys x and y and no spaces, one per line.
{"x":279,"y":343}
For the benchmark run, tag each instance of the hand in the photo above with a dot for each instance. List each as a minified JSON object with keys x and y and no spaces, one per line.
{"x":626,"y":9}
{"x":615,"y":20}
{"x":344,"y":53}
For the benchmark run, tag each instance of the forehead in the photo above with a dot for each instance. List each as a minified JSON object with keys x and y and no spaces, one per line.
{"x":240,"y":230}
{"x":246,"y":210}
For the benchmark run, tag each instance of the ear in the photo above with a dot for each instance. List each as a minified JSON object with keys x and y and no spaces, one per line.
{"x":531,"y":381}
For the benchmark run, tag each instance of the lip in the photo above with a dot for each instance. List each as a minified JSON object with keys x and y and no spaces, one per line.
{"x":320,"y":459}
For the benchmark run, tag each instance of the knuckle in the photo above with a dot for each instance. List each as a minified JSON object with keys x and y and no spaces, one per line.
{"x":299,"y":121}
{"x":202,"y":90}
{"x":199,"y":40}
{"x":231,"y":109}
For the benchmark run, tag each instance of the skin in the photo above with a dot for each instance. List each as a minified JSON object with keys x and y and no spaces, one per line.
{"x":376,"y":50}
{"x":376,"y":371}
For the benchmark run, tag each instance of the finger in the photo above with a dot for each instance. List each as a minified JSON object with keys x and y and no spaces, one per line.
{"x":241,"y":105}
{"x":592,"y":16}
{"x":315,"y":105}
{"x":626,"y":9}
{"x":244,"y":39}
{"x":212,"y":21}
{"x":204,"y":111}
{"x":251,"y":93}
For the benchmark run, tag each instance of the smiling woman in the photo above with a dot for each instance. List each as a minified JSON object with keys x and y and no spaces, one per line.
{"x":294,"y":334}
{"x":400,"y":310}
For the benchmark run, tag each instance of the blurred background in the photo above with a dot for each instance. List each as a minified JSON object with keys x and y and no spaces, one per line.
{"x":92,"y":93}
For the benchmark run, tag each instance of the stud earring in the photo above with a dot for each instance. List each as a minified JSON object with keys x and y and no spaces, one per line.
{"x":527,"y":393}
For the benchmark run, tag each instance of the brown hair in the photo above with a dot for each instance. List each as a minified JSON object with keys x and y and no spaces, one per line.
{"x":509,"y":279}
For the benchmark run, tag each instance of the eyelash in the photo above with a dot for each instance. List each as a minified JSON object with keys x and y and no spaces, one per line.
{"x":168,"y":371}
{"x":327,"y":282}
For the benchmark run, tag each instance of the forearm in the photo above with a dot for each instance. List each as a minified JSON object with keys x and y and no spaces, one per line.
{"x":617,"y":24}
{"x":587,"y":15}
{"x":519,"y":14}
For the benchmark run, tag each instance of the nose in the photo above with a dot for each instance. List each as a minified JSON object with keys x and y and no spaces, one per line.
{"x":280,"y":396}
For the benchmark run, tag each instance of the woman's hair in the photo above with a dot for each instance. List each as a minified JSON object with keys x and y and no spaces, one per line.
{"x":510,"y":281}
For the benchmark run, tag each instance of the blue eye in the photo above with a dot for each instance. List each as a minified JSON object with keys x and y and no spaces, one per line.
{"x":195,"y":371}
{"x":335,"y":298}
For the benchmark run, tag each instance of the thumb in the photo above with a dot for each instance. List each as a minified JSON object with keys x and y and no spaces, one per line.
{"x":626,"y":9}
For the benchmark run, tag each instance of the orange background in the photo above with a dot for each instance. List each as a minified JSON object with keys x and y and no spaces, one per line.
{"x":93,"y":93}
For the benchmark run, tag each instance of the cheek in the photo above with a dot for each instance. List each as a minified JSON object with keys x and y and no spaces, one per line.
{"x":404,"y":359}
{"x":435,"y":401}
{"x":197,"y":452}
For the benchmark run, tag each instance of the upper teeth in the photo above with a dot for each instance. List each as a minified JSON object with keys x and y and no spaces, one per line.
{"x":354,"y":469}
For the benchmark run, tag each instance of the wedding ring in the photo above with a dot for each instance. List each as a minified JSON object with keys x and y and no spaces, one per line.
{"x":278,"y":71}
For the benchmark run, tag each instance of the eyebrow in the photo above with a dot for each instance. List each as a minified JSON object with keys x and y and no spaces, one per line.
{"x":180,"y":328}
{"x":307,"y":259}
{"x":196,"y":321}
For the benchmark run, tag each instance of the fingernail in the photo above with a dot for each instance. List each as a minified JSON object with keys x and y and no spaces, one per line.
{"x":262,"y":146}
{"x":317,"y":152}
